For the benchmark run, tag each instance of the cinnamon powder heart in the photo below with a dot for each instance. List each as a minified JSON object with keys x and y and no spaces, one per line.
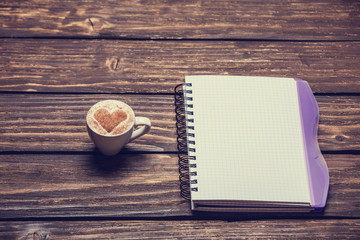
{"x":109,"y":120}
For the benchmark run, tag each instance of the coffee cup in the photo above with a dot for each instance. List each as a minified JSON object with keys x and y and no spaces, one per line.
{"x":111,"y":124}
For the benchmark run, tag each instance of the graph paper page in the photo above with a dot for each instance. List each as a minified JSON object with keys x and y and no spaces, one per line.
{"x":248,"y":139}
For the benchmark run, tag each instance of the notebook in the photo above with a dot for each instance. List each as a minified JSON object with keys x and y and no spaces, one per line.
{"x":251,"y":145}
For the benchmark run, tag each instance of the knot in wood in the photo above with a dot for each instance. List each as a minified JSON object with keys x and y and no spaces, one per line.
{"x":113,"y":63}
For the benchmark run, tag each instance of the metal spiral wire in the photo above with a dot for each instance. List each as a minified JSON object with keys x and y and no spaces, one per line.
{"x":182,"y":142}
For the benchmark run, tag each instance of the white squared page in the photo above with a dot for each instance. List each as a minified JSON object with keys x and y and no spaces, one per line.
{"x":248,"y":139}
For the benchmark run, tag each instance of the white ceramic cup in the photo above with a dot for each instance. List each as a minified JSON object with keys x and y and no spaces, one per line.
{"x":111,"y":143}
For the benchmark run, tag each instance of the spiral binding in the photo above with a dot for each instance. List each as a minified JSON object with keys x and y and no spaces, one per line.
{"x":185,"y":140}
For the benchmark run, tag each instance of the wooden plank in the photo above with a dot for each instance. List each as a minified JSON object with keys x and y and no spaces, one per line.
{"x":301,"y":229}
{"x":219,"y":19}
{"x":128,"y":185}
{"x":115,"y":66}
{"x":133,"y":185}
{"x":48,"y":122}
{"x":344,"y":183}
{"x":339,"y":123}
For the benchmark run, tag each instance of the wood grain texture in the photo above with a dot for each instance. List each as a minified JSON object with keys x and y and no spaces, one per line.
{"x":49,"y":122}
{"x":179,"y":19}
{"x":134,"y":185}
{"x":339,"y":122}
{"x":137,"y":185}
{"x":287,"y":229}
{"x":115,"y":66}
{"x":56,"y":122}
{"x":70,"y":52}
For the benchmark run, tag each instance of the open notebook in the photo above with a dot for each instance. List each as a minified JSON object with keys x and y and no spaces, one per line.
{"x":252,"y":145}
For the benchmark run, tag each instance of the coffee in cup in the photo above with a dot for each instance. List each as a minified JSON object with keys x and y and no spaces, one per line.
{"x":111,"y":125}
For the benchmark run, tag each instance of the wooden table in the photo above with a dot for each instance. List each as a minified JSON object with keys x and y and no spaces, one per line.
{"x":58,"y":58}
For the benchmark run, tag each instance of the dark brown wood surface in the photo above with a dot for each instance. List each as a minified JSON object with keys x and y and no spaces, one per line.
{"x":116,"y":66}
{"x":209,"y":229}
{"x":61,"y":125}
{"x":179,"y":19}
{"x":133,"y":185}
{"x":57,"y":58}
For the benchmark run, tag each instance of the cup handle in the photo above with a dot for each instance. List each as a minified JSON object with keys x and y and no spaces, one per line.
{"x":143,"y":130}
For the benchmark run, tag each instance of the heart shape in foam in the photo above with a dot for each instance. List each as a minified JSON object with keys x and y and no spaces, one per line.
{"x":110,"y":120}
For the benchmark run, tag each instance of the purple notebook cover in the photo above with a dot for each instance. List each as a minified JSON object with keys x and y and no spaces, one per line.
{"x":316,"y":166}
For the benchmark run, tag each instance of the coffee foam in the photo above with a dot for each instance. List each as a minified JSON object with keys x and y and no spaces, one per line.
{"x":110,"y":117}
